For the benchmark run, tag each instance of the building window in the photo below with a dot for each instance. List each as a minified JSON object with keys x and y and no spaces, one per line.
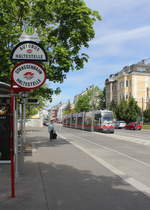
{"x":126,"y":83}
{"x":121,"y":96}
{"x":140,"y":68}
{"x":130,"y":83}
{"x":121,"y":84}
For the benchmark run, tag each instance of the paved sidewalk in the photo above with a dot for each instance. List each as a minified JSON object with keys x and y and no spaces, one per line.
{"x":58,"y":176}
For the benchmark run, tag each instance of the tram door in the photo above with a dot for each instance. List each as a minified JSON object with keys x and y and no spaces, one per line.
{"x":4,"y":128}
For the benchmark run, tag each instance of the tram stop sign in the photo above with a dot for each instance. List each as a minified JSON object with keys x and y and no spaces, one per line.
{"x":28,"y":75}
{"x":29,"y":34}
{"x":29,"y":30}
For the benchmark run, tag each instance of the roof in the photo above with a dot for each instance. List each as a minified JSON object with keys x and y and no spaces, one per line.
{"x":4,"y":88}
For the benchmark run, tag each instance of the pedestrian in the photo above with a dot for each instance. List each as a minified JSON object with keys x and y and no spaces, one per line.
{"x":51,"y":130}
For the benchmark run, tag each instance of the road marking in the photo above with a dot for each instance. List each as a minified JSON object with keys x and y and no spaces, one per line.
{"x":126,"y":138}
{"x":34,"y":147}
{"x":116,"y":151}
{"x":130,"y":180}
{"x":34,"y":150}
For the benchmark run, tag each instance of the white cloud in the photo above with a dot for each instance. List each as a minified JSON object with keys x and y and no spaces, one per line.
{"x":121,"y":36}
{"x":120,"y":43}
{"x":110,"y":5}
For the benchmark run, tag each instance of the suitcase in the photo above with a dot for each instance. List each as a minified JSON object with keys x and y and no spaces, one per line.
{"x":54,"y":136}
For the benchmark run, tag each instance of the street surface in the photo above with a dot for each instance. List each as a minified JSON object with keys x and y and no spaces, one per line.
{"x":82,"y":170}
{"x":126,"y":153}
{"x":142,"y":134}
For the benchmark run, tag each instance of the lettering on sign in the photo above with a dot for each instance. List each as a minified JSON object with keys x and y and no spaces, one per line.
{"x":29,"y":50}
{"x":28,"y":75}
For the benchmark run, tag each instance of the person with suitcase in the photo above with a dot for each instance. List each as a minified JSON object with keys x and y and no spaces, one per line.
{"x":51,"y":130}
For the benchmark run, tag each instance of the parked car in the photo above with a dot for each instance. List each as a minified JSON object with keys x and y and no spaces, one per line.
{"x":120,"y":124}
{"x":134,"y":126}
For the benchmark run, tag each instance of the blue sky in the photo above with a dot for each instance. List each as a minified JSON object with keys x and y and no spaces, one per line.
{"x":122,"y":38}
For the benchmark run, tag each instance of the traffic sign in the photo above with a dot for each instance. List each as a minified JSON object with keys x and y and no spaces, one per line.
{"x":28,"y":75}
{"x":32,"y":101}
{"x":29,"y":34}
{"x":29,"y":30}
{"x":28,"y":50}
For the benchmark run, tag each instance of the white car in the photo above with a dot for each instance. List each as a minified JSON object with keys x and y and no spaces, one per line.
{"x":120,"y":124}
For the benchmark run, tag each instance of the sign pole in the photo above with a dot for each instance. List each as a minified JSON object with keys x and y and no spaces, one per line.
{"x":27,"y":75}
{"x":12,"y":166}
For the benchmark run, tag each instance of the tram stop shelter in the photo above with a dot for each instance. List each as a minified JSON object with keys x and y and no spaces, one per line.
{"x":4,"y":122}
{"x":11,"y":144}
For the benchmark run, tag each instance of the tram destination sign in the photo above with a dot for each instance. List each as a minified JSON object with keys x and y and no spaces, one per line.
{"x":28,"y":75}
{"x":28,"y":50}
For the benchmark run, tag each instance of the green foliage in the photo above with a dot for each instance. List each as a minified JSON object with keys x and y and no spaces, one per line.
{"x":113,"y":106}
{"x":121,"y":110}
{"x":93,"y":99}
{"x":64,"y":27}
{"x":102,"y":99}
{"x":147,"y":115}
{"x":133,"y":110}
{"x":127,"y":110}
{"x":31,"y":110}
{"x":93,"y":94}
{"x":83,"y":103}
{"x":34,"y":109}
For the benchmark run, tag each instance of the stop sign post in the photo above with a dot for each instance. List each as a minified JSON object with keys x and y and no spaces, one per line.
{"x":26,"y":76}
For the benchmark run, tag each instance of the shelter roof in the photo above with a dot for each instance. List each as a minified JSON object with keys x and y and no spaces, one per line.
{"x":4,"y":88}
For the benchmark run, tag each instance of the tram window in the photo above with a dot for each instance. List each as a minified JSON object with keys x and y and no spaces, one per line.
{"x":80,"y":120}
{"x":88,"y":121}
{"x":73,"y":120}
{"x":97,"y":116}
{"x":108,"y":116}
{"x":97,"y":121}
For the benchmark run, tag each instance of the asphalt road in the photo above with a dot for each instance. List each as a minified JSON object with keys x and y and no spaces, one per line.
{"x":125,"y":153}
{"x":142,"y":134}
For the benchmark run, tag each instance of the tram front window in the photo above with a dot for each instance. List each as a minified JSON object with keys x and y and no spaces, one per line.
{"x":108,"y":117}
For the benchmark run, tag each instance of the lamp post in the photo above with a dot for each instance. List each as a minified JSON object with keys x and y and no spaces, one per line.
{"x":142,"y":110}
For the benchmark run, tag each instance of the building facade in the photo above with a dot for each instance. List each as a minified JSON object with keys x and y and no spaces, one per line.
{"x":56,"y":112}
{"x":95,"y":92}
{"x":134,"y":81}
{"x":82,"y":93}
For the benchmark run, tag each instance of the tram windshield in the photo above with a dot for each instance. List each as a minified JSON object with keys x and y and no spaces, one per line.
{"x":107,"y":117}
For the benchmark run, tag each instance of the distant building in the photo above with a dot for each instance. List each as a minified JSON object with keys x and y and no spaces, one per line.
{"x":60,"y":111}
{"x":53,"y":113}
{"x":56,"y":112}
{"x":133,"y":80}
{"x":82,"y":93}
{"x":94,"y":96}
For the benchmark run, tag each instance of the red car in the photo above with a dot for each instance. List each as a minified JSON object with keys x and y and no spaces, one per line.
{"x":134,"y":126}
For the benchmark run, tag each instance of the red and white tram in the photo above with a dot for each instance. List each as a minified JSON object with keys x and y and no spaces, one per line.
{"x":99,"y":120}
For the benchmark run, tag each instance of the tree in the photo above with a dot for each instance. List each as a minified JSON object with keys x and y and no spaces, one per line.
{"x":102,"y":99}
{"x":147,"y":115}
{"x":64,"y":27}
{"x":120,"y":110}
{"x":83,"y":103}
{"x":133,"y":110}
{"x":127,"y":110}
{"x":95,"y":95}
{"x":35,"y":109}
